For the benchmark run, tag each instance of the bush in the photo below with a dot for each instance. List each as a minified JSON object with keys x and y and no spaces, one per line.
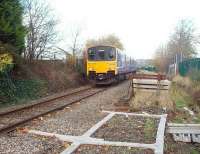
{"x":182,"y":82}
{"x":19,"y":91}
{"x":185,"y":91}
{"x":194,"y":75}
{"x":28,"y":81}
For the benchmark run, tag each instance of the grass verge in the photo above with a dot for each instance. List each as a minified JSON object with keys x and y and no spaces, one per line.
{"x":182,"y":94}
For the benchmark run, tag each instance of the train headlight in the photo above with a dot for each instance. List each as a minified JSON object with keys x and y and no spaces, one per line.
{"x":90,"y":69}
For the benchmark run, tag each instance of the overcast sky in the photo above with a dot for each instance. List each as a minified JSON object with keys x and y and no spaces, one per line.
{"x":142,"y":25}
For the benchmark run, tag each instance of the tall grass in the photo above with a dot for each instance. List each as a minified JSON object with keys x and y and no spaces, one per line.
{"x":194,"y":75}
{"x":185,"y":92}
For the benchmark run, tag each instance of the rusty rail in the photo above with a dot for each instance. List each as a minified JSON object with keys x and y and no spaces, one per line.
{"x":44,"y":100}
{"x":12,"y":126}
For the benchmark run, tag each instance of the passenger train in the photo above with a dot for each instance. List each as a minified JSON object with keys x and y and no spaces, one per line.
{"x":107,"y":64}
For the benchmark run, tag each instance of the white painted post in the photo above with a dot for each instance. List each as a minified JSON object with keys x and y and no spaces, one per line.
{"x":71,"y":149}
{"x":160,"y":135}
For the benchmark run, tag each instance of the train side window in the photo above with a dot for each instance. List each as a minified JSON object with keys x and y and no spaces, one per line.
{"x":119,"y":59}
{"x":123,"y":59}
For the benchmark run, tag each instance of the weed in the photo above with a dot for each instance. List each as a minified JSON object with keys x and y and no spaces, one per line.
{"x":149,"y":129}
{"x":197,"y":119}
{"x":178,"y":120}
{"x":183,"y":92}
{"x":180,"y":103}
{"x":170,"y":147}
{"x":194,"y":75}
{"x":180,"y":96}
{"x":193,"y":151}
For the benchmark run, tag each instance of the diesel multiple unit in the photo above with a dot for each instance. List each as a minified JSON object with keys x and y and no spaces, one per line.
{"x":107,"y":64}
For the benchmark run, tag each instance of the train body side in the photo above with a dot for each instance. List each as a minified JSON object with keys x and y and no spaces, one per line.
{"x":125,"y":64}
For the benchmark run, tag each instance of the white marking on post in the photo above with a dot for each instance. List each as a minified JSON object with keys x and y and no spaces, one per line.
{"x":71,"y":149}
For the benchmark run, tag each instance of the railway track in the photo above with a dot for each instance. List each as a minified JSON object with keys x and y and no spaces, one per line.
{"x":17,"y":117}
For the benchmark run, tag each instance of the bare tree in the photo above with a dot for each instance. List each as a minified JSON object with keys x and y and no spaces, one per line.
{"x":181,"y":45}
{"x":40,"y":23}
{"x":184,"y":40}
{"x":106,"y":40}
{"x":161,"y":58}
{"x":76,"y":47}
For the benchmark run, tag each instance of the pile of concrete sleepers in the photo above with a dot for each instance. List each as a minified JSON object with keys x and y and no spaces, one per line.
{"x":185,"y":132}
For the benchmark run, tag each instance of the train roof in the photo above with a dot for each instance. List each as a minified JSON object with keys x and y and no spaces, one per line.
{"x":102,"y":46}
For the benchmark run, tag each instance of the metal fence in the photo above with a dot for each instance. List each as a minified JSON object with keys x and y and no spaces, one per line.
{"x":189,"y":65}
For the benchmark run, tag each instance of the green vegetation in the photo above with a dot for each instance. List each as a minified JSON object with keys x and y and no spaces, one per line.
{"x":12,"y":31}
{"x":6,"y":63}
{"x":182,"y":90}
{"x":194,"y":74}
{"x":194,"y":151}
{"x":185,"y":93}
{"x":21,"y":91}
{"x":150,"y":129}
{"x":26,"y":82}
{"x":12,"y":43}
{"x":180,"y":97}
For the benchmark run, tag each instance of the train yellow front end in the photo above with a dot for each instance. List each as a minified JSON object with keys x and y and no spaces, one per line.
{"x":101,"y":70}
{"x":101,"y":63}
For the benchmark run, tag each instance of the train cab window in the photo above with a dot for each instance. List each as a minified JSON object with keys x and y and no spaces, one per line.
{"x":112,"y":54}
{"x":102,"y":53}
{"x":91,"y":54}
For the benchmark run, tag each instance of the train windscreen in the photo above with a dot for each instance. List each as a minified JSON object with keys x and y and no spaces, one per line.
{"x":101,"y":53}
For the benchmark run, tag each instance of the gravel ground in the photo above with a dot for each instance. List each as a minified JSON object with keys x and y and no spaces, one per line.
{"x":78,"y":118}
{"x":172,"y":147}
{"x":18,"y":143}
{"x":89,"y":149}
{"x":27,"y":113}
{"x":132,"y":129}
{"x":73,"y":120}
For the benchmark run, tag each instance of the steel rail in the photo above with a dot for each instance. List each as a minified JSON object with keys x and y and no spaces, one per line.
{"x":43,"y":101}
{"x":13,"y":126}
